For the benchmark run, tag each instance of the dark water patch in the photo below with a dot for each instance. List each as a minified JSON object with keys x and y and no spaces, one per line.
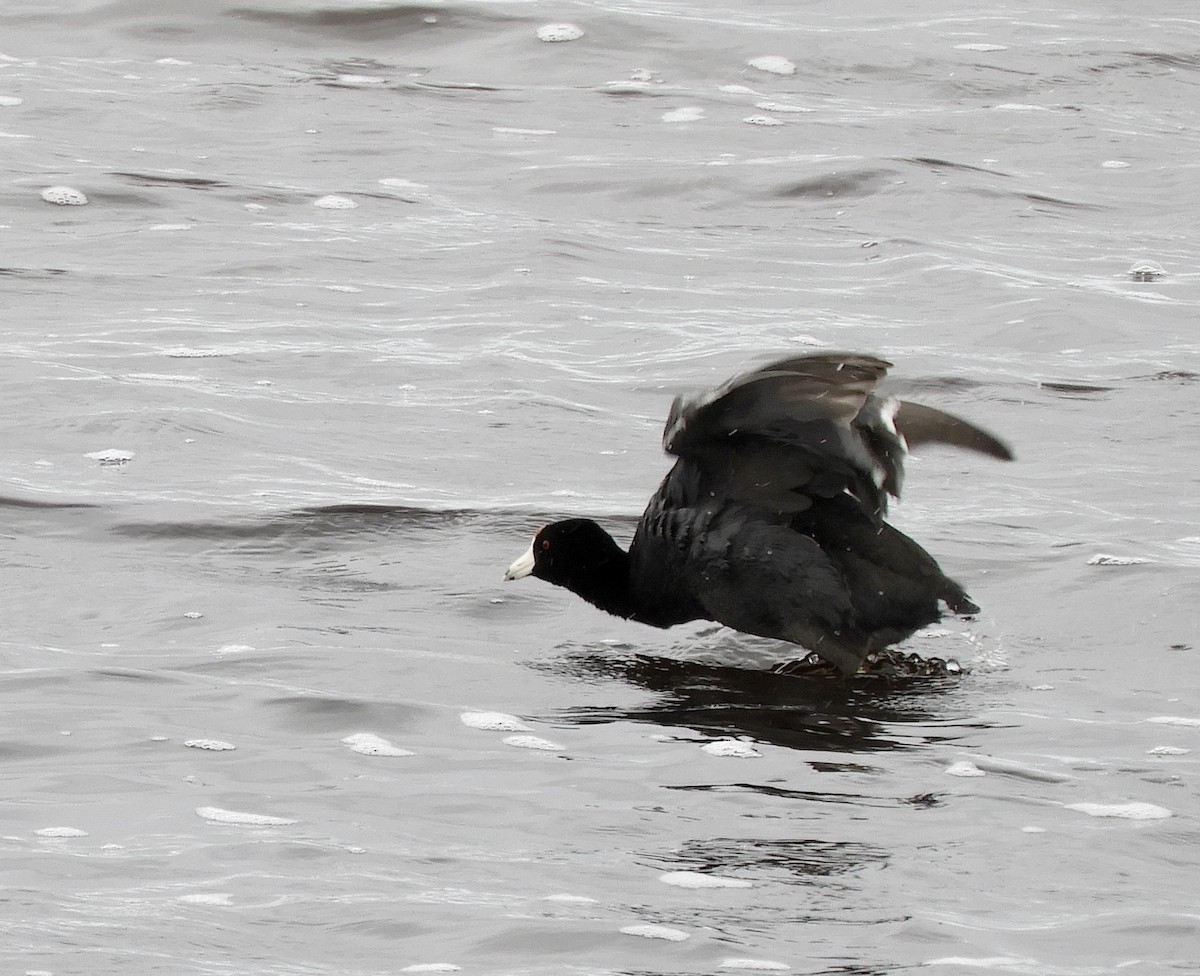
{"x":862,"y":183}
{"x":126,"y":674}
{"x":797,"y":860}
{"x":320,"y":713}
{"x":383,"y":23}
{"x":43,"y":504}
{"x":1189,"y":62}
{"x":1170,"y":376}
{"x":806,"y":797}
{"x":36,"y":273}
{"x":337,"y":520}
{"x":1078,"y":391}
{"x":794,"y":712}
{"x":942,"y":164}
{"x":154,"y":179}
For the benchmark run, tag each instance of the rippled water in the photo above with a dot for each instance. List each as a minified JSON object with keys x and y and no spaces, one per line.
{"x":362,"y":294}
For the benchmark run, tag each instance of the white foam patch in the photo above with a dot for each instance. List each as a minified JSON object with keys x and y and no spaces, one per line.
{"x":1010,"y":767}
{"x":773,"y":64}
{"x":234,"y":648}
{"x":1122,"y":811}
{"x":431,"y":967}
{"x":980,"y":47}
{"x":983,"y":962}
{"x":9,"y":101}
{"x":1106,"y":559}
{"x":1115,"y":164}
{"x":359,"y":81}
{"x":782,"y":107}
{"x":689,"y":113}
{"x":1175,"y":720}
{"x":215,"y":898}
{"x":571,"y":899}
{"x":532,"y":742}
{"x":61,"y":832}
{"x":494,"y":722}
{"x":656,"y":932}
{"x":370,"y":744}
{"x":1033,"y":830}
{"x":1167,"y":751}
{"x":731,"y":749}
{"x":110,"y":455}
{"x":218,"y":815}
{"x":335,"y":202}
{"x":755,"y":965}
{"x":964,"y":769}
{"x":557,"y":33}
{"x":64,"y":196}
{"x":766,"y":120}
{"x":213,"y":745}
{"x":694,"y":879}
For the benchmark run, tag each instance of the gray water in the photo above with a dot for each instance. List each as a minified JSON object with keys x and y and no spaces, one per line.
{"x":265,"y":460}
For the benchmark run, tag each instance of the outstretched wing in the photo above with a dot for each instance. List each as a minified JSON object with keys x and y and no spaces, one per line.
{"x":809,"y":426}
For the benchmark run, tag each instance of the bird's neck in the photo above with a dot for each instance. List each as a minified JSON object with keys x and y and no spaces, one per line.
{"x":606,"y":583}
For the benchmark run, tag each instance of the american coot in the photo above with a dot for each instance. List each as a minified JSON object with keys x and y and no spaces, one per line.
{"x":771,"y":521}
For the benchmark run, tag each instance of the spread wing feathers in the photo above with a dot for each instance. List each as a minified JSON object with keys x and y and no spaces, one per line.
{"x":810,"y":426}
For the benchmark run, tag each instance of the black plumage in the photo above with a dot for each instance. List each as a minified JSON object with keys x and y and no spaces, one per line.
{"x":772,"y":519}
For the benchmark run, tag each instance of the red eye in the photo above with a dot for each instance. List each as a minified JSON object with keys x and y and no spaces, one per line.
{"x":545,"y":545}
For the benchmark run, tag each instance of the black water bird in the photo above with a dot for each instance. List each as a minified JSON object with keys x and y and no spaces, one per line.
{"x":771,"y":520}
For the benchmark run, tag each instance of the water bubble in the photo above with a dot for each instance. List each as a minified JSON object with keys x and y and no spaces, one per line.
{"x":1122,"y":811}
{"x":556,"y":33}
{"x":782,"y":107}
{"x":213,"y":745}
{"x":731,"y":749}
{"x":335,"y":202}
{"x":1146,"y":271}
{"x":358,"y":81}
{"x":218,"y":815}
{"x":687,"y":114}
{"x":111,"y":456}
{"x":656,"y":932}
{"x":773,"y":64}
{"x":694,"y":879}
{"x":64,"y":196}
{"x":1105,"y":559}
{"x":494,"y":722}
{"x":532,"y":742}
{"x":370,"y":744}
{"x":214,"y":898}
